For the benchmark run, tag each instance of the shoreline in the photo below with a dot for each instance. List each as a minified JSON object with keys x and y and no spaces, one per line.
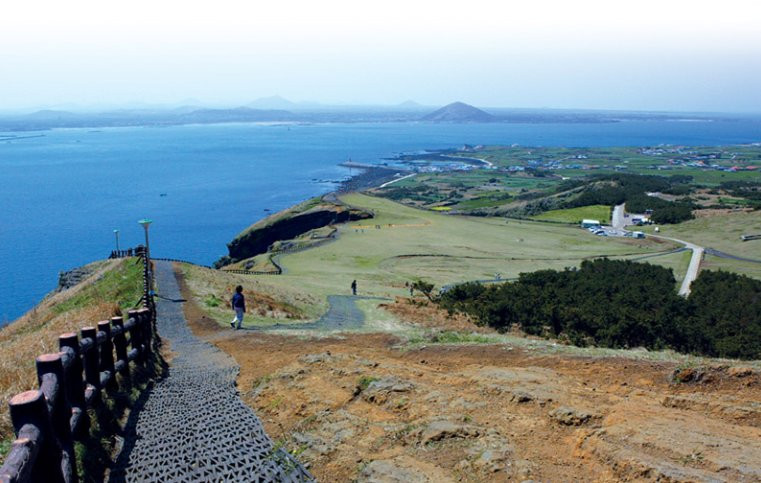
{"x":371,"y":177}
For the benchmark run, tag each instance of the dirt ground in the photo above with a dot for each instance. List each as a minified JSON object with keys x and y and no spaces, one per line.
{"x":365,"y":407}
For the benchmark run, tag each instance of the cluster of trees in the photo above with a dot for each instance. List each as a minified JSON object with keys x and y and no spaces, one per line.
{"x":623,"y":304}
{"x":614,"y":189}
{"x":750,"y":190}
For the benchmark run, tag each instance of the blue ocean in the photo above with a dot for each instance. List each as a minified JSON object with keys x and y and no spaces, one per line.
{"x":64,"y":191}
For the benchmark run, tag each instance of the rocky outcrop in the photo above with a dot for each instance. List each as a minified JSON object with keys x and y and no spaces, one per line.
{"x":286,"y":226}
{"x":73,"y":277}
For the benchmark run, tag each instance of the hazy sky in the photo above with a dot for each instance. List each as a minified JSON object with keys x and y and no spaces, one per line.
{"x":638,"y":54}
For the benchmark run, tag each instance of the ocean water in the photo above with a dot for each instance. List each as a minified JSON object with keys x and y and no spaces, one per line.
{"x":63,"y":193}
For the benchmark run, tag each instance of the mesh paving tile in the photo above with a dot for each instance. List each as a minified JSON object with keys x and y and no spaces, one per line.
{"x":193,"y":426}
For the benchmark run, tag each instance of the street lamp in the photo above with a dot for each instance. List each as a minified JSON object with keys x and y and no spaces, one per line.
{"x":116,"y":233}
{"x":146,"y":222}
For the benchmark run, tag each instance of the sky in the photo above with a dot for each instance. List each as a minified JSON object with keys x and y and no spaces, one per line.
{"x":671,"y":55}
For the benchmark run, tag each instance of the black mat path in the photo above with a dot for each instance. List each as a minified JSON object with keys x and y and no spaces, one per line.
{"x":193,"y":426}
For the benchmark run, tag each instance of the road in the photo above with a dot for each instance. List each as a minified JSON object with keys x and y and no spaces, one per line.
{"x":619,"y":222}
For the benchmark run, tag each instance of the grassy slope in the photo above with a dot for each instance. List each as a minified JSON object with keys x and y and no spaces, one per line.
{"x":412,"y":244}
{"x":118,"y":287}
{"x":722,"y":233}
{"x":575,"y":215}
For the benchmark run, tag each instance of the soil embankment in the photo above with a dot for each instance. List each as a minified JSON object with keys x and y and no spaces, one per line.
{"x":371,"y":407}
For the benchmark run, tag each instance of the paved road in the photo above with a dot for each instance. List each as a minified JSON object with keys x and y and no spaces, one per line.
{"x":619,"y":217}
{"x":694,"y":267}
{"x":193,"y":426}
{"x":619,"y":221}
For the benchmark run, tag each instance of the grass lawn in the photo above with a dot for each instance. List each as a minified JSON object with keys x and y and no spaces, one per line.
{"x":719,"y":232}
{"x":575,"y":215}
{"x":410,"y":244}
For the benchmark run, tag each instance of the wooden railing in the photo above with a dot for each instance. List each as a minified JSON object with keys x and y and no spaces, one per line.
{"x":81,"y":375}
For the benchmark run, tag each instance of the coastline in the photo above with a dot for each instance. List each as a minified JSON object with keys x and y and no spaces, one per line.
{"x":370,"y":177}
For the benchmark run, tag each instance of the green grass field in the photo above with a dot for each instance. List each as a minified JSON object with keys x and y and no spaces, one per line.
{"x":575,"y":215}
{"x":720,"y":232}
{"x":416,"y":244}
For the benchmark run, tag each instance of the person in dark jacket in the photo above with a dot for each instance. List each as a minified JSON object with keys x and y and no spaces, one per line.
{"x":354,"y":287}
{"x":238,"y":304}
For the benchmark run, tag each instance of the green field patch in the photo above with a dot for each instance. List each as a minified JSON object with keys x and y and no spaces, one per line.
{"x":123,"y":285}
{"x":575,"y":215}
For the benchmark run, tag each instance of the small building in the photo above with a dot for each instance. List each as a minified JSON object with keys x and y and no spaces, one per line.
{"x":590,"y":223}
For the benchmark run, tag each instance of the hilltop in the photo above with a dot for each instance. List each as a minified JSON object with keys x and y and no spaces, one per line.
{"x":459,"y":112}
{"x":390,"y":385}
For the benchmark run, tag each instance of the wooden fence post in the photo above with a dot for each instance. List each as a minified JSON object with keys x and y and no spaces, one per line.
{"x":136,"y":334}
{"x":29,"y":414}
{"x":75,"y":388}
{"x":107,"y":355}
{"x":120,"y":346}
{"x":90,"y":359}
{"x":146,"y":326}
{"x":52,"y":380}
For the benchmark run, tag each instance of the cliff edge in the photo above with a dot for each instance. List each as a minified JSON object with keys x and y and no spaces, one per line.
{"x":288,"y":224}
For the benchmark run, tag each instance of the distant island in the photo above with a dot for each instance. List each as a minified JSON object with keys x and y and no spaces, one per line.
{"x":459,"y":112}
{"x":279,"y":110}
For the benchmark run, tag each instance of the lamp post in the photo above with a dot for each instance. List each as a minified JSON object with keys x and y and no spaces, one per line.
{"x":146,"y":223}
{"x":116,"y":234}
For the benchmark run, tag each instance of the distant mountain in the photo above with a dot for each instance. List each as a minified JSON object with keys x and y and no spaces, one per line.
{"x":410,"y":104}
{"x":459,"y":112}
{"x":273,"y":102}
{"x":238,"y":114}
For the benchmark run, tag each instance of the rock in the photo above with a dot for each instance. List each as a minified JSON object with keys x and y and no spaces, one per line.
{"x":687,"y":374}
{"x":444,"y":429}
{"x":570,"y":416}
{"x":315,"y":446}
{"x":490,"y":461}
{"x":69,"y":279}
{"x":316,"y":358}
{"x":739,"y":371}
{"x":521,"y":397}
{"x":379,"y":391}
{"x":387,"y":471}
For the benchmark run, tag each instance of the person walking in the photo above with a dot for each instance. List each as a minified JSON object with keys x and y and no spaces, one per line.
{"x":238,"y":304}
{"x":354,"y":287}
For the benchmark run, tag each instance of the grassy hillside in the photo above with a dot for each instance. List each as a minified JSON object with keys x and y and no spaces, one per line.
{"x":575,"y":215}
{"x":401,"y":245}
{"x":113,"y":288}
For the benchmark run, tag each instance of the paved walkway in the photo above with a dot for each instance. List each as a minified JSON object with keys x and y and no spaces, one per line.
{"x":342,"y":314}
{"x":193,"y":426}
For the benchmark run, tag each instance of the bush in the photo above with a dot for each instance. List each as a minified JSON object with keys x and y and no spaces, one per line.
{"x":622,"y":304}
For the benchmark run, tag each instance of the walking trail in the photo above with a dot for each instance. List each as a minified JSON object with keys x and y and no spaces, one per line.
{"x":342,"y":314}
{"x":193,"y":426}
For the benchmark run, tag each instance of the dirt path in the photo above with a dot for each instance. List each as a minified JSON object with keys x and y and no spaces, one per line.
{"x":193,"y":426}
{"x":342,"y":314}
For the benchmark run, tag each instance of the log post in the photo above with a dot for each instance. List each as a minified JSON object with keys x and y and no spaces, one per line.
{"x":120,"y":346}
{"x":147,"y":328}
{"x":74,"y":386}
{"x":136,"y":334}
{"x":30,"y":408}
{"x":52,"y":380}
{"x":90,"y":359}
{"x":107,"y":355}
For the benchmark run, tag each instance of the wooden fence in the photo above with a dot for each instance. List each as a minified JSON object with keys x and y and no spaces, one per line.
{"x":81,"y":375}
